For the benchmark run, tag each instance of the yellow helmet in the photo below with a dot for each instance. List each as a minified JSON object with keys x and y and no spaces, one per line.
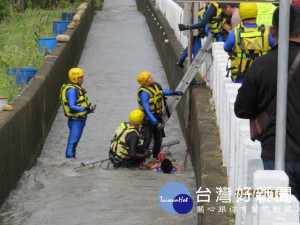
{"x":143,"y":77}
{"x":248,"y":10}
{"x":74,"y":73}
{"x":136,"y":117}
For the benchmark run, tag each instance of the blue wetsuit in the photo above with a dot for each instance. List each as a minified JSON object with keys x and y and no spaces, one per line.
{"x":208,"y":15}
{"x":196,"y":47}
{"x":144,"y":96}
{"x":158,"y":169}
{"x":150,"y":122}
{"x":229,"y":45}
{"x":75,"y":125}
{"x":230,"y":42}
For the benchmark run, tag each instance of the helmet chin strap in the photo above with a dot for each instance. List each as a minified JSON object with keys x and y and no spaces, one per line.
{"x":146,"y":84}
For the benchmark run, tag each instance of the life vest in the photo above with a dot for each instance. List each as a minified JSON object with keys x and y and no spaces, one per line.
{"x":200,"y":16}
{"x":155,"y":100}
{"x":118,"y":144}
{"x":265,"y":13}
{"x":217,"y":21}
{"x":81,"y":101}
{"x":250,"y":43}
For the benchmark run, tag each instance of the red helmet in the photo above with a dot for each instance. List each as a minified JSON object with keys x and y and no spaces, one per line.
{"x":161,"y":156}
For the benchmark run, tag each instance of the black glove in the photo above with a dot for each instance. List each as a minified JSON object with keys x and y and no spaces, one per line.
{"x":183,"y":27}
{"x":147,"y":154}
{"x":178,"y":93}
{"x":90,"y":108}
{"x":159,"y":126}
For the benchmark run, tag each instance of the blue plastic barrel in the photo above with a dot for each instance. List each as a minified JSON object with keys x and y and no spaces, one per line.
{"x":46,"y":43}
{"x":67,"y":15}
{"x":22,"y":75}
{"x":60,"y":26}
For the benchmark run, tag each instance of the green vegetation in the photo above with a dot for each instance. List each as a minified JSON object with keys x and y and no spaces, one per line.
{"x":4,"y":10}
{"x":19,"y":42}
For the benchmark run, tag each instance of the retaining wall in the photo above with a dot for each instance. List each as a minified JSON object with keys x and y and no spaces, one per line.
{"x":24,"y":130}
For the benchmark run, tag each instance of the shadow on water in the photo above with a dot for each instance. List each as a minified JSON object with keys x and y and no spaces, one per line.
{"x":119,"y":46}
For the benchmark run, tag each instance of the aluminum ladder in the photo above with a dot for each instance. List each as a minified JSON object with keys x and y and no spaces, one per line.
{"x":188,"y":77}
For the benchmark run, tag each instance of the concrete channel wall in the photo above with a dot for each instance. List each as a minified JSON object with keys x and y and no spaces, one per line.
{"x":24,"y":130}
{"x":240,"y":157}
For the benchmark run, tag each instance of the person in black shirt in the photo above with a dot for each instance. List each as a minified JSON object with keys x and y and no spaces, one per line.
{"x":258,"y":90}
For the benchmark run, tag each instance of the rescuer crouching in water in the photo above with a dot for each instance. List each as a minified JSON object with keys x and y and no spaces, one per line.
{"x":125,"y":149}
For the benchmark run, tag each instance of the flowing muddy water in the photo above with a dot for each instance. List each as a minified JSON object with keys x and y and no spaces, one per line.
{"x":119,"y":46}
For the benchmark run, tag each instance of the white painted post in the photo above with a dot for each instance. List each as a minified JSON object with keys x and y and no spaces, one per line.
{"x":218,"y":90}
{"x":254,"y":164}
{"x":249,"y":148}
{"x":231,"y":146}
{"x":242,"y":133}
{"x":274,"y":209}
{"x":3,"y":101}
{"x":223,"y":81}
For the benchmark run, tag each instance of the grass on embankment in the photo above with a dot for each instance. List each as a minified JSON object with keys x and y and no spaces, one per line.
{"x":19,"y":43}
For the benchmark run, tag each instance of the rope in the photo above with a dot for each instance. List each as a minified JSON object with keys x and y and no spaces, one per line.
{"x":147,"y":165}
{"x":192,"y":114}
